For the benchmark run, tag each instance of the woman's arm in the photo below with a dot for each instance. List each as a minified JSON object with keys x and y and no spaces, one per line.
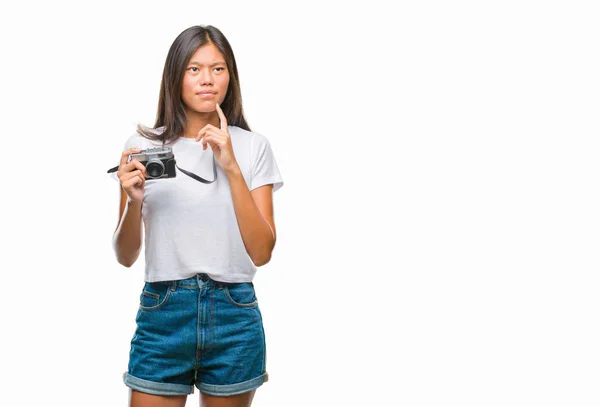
{"x":254,"y":212}
{"x":127,"y":239}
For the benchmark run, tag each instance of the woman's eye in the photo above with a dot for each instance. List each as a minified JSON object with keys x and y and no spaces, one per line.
{"x":195,"y":69}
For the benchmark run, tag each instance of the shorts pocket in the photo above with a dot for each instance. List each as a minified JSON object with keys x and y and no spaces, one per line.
{"x":241,"y":295}
{"x":154,"y":296}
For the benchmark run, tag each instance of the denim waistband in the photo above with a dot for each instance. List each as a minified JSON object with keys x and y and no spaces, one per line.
{"x":193,"y":281}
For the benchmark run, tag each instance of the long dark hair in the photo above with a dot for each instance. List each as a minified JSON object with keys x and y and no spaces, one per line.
{"x":171,"y":110}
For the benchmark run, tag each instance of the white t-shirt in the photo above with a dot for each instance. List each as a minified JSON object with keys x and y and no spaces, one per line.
{"x":191,"y":227}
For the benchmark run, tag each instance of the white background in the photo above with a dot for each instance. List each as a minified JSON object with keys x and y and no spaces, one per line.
{"x":438,"y":229}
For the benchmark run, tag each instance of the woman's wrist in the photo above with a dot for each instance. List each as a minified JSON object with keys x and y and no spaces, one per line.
{"x":133,"y":203}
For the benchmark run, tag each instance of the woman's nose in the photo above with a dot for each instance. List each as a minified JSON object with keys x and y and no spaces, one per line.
{"x":205,"y":77}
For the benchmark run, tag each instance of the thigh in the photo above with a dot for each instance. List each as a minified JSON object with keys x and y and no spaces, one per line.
{"x":139,"y":399}
{"x":234,"y":356}
{"x":239,"y":400}
{"x":162,"y":355}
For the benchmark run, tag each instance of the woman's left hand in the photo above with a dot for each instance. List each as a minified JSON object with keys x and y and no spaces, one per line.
{"x":219,"y":141}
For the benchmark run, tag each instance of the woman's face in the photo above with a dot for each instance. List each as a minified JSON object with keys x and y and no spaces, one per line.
{"x":206,"y":72}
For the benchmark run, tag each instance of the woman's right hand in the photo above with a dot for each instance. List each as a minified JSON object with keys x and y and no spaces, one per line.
{"x":132,"y":176}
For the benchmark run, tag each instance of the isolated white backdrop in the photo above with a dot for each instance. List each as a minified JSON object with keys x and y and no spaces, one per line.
{"x":438,"y":226}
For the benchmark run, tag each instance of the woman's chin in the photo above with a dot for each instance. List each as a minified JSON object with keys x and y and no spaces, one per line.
{"x":203,"y":109}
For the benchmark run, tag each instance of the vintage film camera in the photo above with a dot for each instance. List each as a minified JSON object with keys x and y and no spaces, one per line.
{"x":159,"y":162}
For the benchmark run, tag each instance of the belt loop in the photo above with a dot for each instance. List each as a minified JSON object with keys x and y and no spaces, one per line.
{"x":173,"y":285}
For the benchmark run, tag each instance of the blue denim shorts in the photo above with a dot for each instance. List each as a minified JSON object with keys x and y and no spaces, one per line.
{"x":197,"y":332}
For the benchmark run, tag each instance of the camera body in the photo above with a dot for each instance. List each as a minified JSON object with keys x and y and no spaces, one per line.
{"x":159,"y":162}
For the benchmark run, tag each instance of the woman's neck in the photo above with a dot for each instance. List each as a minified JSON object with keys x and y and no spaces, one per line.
{"x":197,"y":121}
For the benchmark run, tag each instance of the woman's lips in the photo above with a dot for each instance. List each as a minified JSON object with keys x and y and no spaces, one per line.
{"x":206,"y":94}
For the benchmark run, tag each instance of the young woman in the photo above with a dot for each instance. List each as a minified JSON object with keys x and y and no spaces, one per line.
{"x":198,"y":322}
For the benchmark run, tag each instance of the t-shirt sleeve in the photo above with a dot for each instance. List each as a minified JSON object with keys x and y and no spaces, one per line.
{"x":264,"y":166}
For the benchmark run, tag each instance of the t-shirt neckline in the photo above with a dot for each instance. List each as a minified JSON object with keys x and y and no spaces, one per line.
{"x":190,"y":140}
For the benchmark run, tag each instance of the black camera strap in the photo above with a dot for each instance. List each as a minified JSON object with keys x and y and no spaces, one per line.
{"x":198,"y":178}
{"x":189,"y":174}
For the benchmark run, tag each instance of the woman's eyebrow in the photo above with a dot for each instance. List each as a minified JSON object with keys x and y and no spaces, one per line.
{"x":213,"y":64}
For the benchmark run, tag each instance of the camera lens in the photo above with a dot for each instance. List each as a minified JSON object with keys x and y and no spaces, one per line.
{"x":155,"y":169}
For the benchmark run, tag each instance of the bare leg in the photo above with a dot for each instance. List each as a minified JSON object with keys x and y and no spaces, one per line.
{"x":139,"y":399}
{"x":239,"y":400}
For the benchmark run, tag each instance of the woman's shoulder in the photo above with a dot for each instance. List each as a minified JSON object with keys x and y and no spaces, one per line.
{"x":251,"y":141}
{"x":137,"y":140}
{"x":247,"y":135}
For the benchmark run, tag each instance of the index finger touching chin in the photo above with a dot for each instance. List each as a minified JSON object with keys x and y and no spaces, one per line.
{"x":221,"y":117}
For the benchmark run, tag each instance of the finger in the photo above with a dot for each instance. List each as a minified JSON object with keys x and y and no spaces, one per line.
{"x":126,"y":154}
{"x":133,"y":181}
{"x":202,"y":131}
{"x":222,"y":117}
{"x":202,"y":140}
{"x":131,"y":166}
{"x":212,"y":135}
{"x":213,"y":146}
{"x":129,"y":175}
{"x":140,"y":180}
{"x":208,"y":139}
{"x":207,"y":129}
{"x":139,"y":166}
{"x":201,"y":135}
{"x":128,"y":185}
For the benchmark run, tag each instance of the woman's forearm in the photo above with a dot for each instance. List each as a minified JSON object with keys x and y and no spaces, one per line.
{"x":255,"y":230}
{"x":127,"y":239}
